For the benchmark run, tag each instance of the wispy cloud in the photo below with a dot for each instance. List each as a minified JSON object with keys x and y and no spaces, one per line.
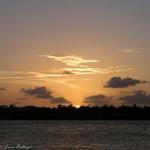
{"x":71,"y":60}
{"x":19,"y":75}
{"x":129,"y":51}
{"x":114,"y":69}
{"x":64,"y":82}
{"x":77,"y":65}
{"x":62,"y":72}
{"x":82,"y":70}
{"x":92,"y":70}
{"x":30,"y":76}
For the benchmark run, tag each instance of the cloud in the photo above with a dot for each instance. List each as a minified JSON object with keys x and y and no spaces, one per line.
{"x":60,"y":100}
{"x":138,"y":97}
{"x":92,"y":70}
{"x":67,"y":72}
{"x":115,"y":69}
{"x":43,"y":93}
{"x":38,"y":92}
{"x":118,"y":82}
{"x":80,"y":66}
{"x":97,"y":100}
{"x":30,"y":75}
{"x":76,"y":67}
{"x":21,"y":75}
{"x":82,"y":70}
{"x":2,"y":89}
{"x":129,"y":51}
{"x":21,"y":98}
{"x":6,"y":75}
{"x":71,"y":60}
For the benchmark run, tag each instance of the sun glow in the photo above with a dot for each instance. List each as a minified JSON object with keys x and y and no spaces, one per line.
{"x":77,"y":106}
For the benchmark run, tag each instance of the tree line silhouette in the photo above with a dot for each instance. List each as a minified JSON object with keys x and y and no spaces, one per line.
{"x":72,"y":113}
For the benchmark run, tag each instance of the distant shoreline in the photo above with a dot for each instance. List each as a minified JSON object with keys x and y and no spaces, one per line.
{"x":83,"y":113}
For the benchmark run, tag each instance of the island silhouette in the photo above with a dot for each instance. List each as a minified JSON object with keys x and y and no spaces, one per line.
{"x":70,"y":112}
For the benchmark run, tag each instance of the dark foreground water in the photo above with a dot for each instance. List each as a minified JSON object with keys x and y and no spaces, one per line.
{"x":75,"y":135}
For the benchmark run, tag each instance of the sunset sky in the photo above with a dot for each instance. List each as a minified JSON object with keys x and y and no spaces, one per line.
{"x":79,"y":52}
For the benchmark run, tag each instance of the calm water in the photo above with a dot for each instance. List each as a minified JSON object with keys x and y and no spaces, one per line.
{"x":75,"y":135}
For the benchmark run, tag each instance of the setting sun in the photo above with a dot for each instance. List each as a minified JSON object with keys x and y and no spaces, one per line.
{"x":77,"y":106}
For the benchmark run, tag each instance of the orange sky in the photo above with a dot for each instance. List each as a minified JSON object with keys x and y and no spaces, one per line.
{"x":73,"y":48}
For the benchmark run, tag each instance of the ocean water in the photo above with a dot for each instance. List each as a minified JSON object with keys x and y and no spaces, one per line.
{"x":75,"y":135}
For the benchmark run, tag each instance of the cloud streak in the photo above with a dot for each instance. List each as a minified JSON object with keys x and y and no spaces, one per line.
{"x":80,"y":66}
{"x":129,"y":51}
{"x":82,"y":71}
{"x":4,"y":75}
{"x":93,"y":70}
{"x":28,"y":75}
{"x":76,"y":65}
{"x":71,"y":60}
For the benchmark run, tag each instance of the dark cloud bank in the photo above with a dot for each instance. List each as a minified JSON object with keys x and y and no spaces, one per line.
{"x":44,"y":93}
{"x":140,"y":98}
{"x":2,"y":89}
{"x":98,"y":100}
{"x":118,"y":82}
{"x":137,"y":97}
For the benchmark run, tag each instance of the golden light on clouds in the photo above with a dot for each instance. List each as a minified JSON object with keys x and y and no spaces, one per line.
{"x":81,"y":66}
{"x":78,"y":77}
{"x":71,"y":60}
{"x":75,"y":66}
{"x":130,"y":51}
